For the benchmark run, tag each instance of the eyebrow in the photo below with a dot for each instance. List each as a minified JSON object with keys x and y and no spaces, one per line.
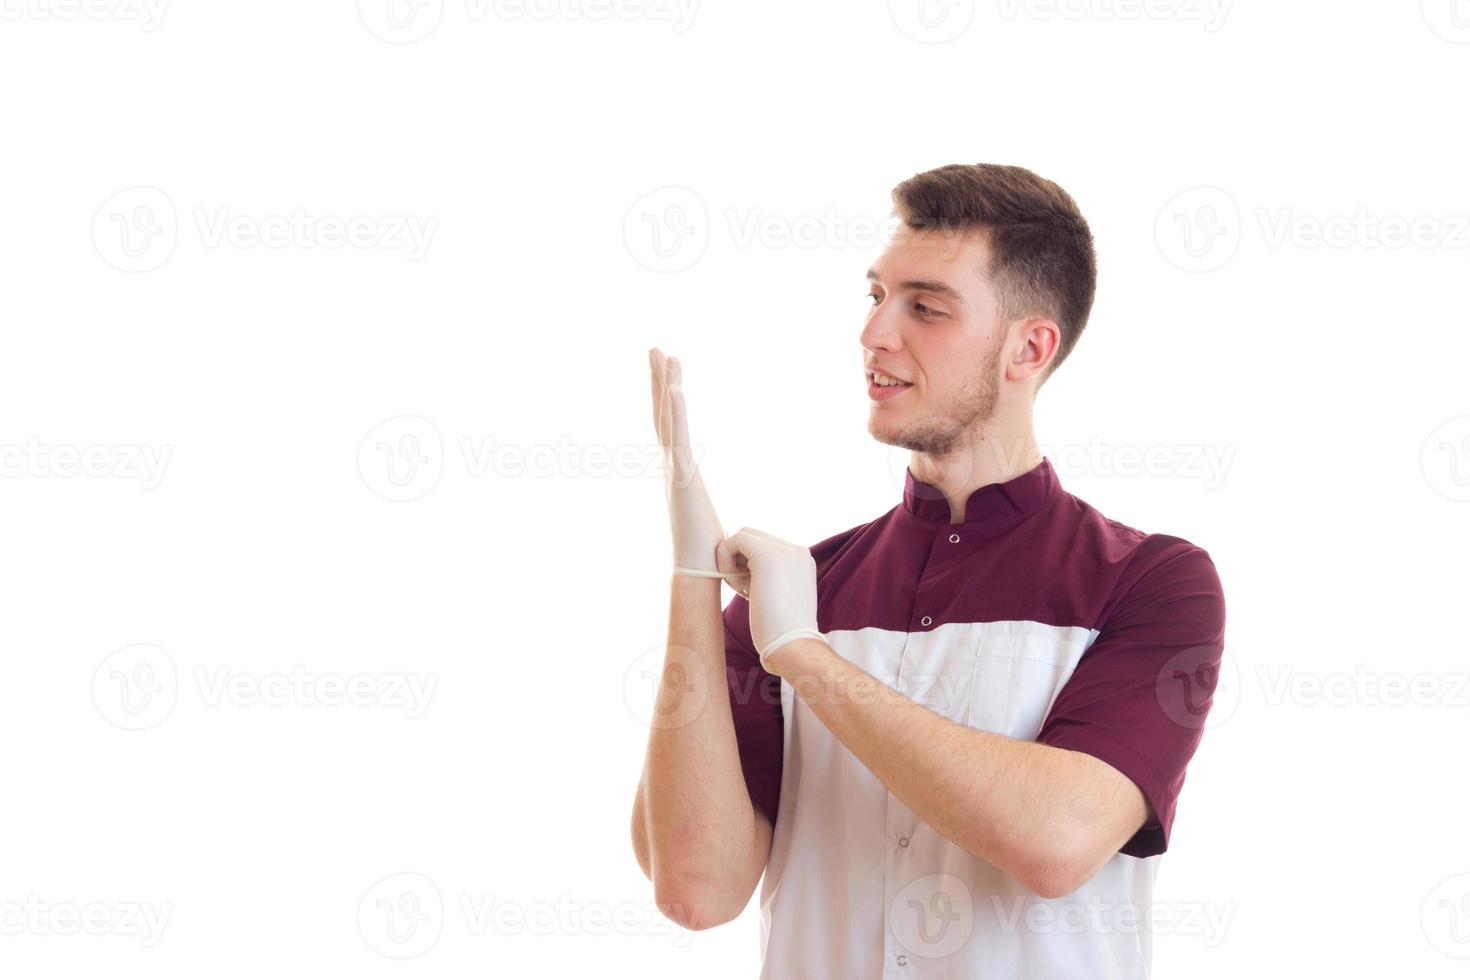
{"x":926,"y":286}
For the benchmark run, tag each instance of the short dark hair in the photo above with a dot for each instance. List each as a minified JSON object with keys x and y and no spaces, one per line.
{"x":1042,"y":257}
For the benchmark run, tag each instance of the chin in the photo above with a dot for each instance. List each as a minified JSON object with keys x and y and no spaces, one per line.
{"x":883,"y":430}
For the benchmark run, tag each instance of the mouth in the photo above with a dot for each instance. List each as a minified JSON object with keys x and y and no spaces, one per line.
{"x":882,"y":387}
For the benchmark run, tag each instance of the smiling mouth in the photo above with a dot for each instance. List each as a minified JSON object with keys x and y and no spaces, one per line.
{"x":882,"y":387}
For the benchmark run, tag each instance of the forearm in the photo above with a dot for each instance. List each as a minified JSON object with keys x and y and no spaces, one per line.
{"x":1021,"y":806}
{"x":697,"y":823}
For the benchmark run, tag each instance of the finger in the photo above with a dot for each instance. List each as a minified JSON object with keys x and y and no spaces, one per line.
{"x":729,"y":563}
{"x":741,"y":584}
{"x":655,"y":380}
{"x":741,"y":547}
{"x":758,"y":534}
{"x":666,"y":426}
{"x":659,"y":380}
{"x":679,"y":427}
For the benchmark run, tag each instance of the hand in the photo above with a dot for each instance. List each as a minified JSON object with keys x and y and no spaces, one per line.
{"x":692,"y":520}
{"x":782,"y":580}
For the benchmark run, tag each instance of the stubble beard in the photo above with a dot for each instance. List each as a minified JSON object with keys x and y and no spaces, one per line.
{"x":954,"y":424}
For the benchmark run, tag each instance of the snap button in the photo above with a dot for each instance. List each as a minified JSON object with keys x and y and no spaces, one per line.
{"x":903,"y":842}
{"x":954,"y":539}
{"x":902,"y":960}
{"x":925,"y":621}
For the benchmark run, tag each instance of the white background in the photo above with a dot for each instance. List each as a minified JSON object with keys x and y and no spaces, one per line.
{"x":161,"y":302}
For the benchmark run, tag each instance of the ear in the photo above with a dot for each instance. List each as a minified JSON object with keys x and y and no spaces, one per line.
{"x":1039,"y":338}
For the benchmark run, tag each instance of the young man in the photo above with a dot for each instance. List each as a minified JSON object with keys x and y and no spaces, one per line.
{"x":951,"y":738}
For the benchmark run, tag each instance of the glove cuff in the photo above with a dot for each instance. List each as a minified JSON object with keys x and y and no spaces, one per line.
{"x":697,"y":573}
{"x":787,"y":637}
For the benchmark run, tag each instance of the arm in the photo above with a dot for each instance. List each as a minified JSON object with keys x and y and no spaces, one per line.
{"x":1046,"y":816}
{"x":695,"y":833}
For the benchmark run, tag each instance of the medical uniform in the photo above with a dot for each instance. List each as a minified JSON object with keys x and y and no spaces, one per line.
{"x":1037,"y":618}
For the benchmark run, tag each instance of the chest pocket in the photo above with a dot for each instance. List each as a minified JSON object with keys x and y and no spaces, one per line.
{"x":1018,"y":669}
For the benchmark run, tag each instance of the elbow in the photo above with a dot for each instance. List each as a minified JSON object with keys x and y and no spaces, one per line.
{"x":1056,"y":866}
{"x":1054,"y":881}
{"x":1055,"y":875}
{"x":1063,"y":865}
{"x":693,"y":908}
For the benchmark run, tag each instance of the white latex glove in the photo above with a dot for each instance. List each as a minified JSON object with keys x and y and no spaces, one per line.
{"x":782,"y":588}
{"x":695,"y":527}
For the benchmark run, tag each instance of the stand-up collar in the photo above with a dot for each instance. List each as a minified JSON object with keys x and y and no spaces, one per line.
{"x":995,"y":505}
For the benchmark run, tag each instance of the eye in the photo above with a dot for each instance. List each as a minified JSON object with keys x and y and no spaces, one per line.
{"x":925,"y":311}
{"x":874,"y":297}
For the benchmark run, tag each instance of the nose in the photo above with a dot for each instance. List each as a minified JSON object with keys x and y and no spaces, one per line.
{"x":881,"y":331}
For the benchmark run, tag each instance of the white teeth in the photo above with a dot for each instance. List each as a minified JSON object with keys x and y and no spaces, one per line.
{"x":883,"y":382}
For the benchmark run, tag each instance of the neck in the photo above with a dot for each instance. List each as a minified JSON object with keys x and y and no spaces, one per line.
{"x":994,"y":453}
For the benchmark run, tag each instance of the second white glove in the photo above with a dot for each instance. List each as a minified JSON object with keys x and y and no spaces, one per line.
{"x":782,"y":585}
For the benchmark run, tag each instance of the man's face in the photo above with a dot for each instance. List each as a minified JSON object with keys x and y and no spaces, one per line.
{"x":933,"y":325}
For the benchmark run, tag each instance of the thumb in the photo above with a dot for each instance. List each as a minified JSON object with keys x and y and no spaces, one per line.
{"x":730,"y":554}
{"x":734,"y":567}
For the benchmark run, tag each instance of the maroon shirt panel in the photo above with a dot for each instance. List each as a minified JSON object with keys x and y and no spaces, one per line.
{"x":755,"y":706}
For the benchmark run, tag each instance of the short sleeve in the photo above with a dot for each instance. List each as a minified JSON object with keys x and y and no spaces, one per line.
{"x":1140,"y":694}
{"x":755,"y":707}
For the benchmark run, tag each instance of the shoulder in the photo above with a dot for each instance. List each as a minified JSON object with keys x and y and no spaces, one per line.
{"x":1144,"y":567}
{"x":828,"y":550}
{"x":1122,"y":543}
